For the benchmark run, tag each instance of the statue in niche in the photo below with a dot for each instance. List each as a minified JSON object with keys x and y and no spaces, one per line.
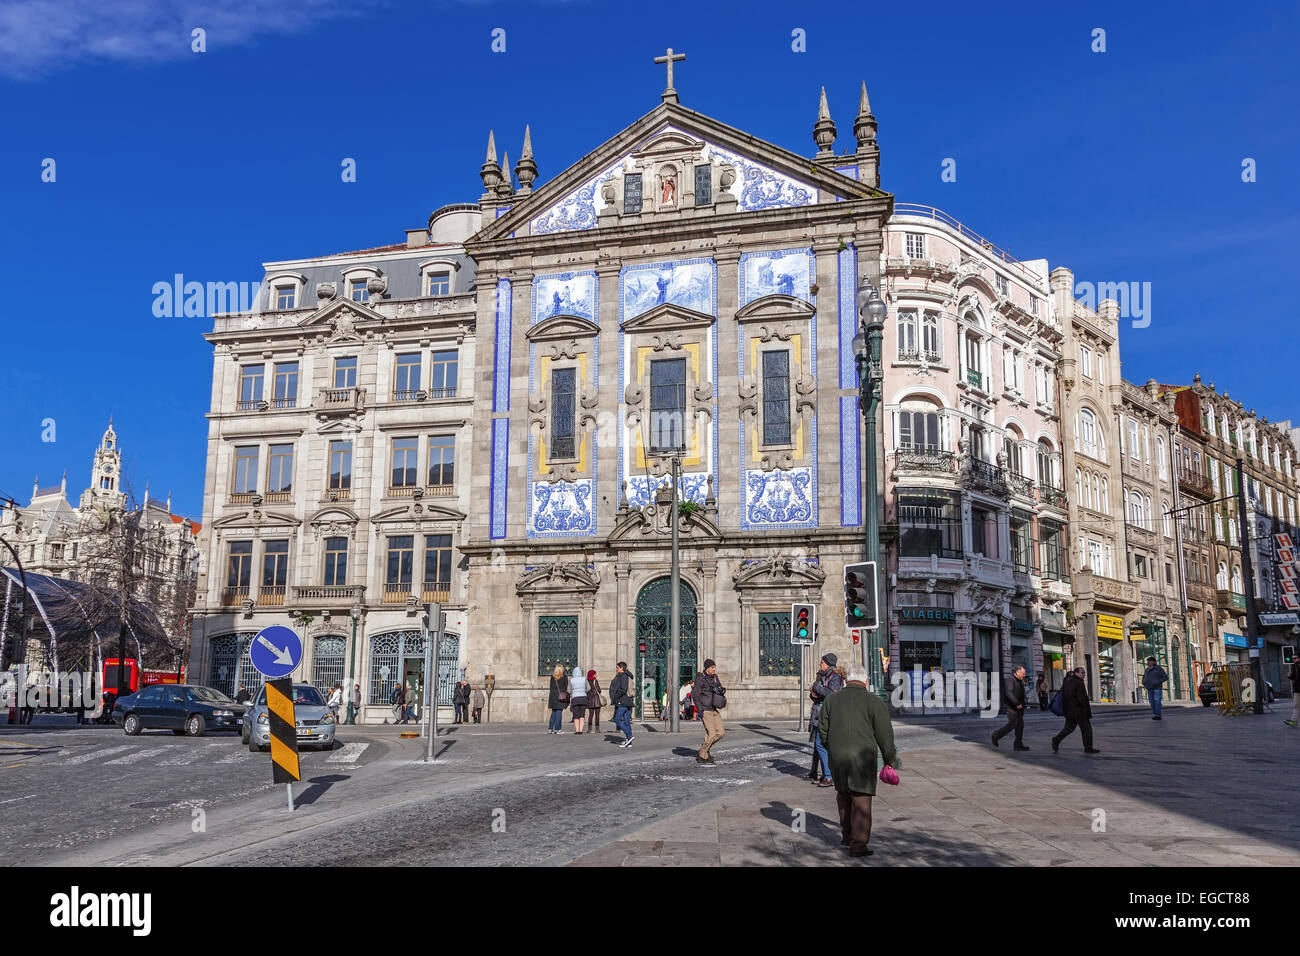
{"x":668,"y":187}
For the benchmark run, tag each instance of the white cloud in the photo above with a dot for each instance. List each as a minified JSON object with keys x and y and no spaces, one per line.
{"x":39,"y":37}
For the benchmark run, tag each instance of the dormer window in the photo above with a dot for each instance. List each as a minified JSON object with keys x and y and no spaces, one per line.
{"x":439,"y":283}
{"x":285,"y":296}
{"x":437,"y":276}
{"x":285,"y":290}
{"x":357,"y":290}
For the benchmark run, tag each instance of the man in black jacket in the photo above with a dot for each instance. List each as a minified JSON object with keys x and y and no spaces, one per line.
{"x":623,"y":701}
{"x":710,"y":697}
{"x":1013,"y":692}
{"x":1078,"y":711}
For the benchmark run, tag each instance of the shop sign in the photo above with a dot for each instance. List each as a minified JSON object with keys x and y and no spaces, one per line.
{"x":1275,"y":620}
{"x":1110,"y":627}
{"x":927,"y":614}
{"x":1234,"y":640}
{"x":1024,"y":626}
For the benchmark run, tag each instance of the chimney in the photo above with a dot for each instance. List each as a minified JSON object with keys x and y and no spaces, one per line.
{"x":415,"y":238}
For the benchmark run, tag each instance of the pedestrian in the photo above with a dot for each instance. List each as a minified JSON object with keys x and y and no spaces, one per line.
{"x":594,"y":702}
{"x":410,"y":699}
{"x":663,"y":705}
{"x":855,"y":729}
{"x":356,"y":701}
{"x":1078,"y":711}
{"x":1013,"y":693}
{"x":335,"y":703}
{"x":243,"y":696}
{"x":686,"y":701}
{"x":578,"y":690}
{"x":828,"y":682}
{"x":558,"y":700}
{"x":1153,"y":680}
{"x":709,"y":697}
{"x":398,"y":700}
{"x":1293,"y":675}
{"x":478,"y":702}
{"x":460,"y":701}
{"x":621,"y":697}
{"x":1043,"y":688}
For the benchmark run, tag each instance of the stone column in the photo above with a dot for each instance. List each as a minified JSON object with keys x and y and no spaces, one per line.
{"x":624,"y":630}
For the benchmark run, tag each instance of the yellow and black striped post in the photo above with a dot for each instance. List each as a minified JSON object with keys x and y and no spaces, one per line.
{"x":284,"y":734}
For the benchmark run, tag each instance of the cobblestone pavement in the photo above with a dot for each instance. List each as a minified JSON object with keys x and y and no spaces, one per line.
{"x":1194,"y":788}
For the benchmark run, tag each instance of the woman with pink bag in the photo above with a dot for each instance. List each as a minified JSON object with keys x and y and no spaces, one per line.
{"x":855,"y":729}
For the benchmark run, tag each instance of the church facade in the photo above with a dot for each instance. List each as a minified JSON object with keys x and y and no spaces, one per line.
{"x":685,"y":291}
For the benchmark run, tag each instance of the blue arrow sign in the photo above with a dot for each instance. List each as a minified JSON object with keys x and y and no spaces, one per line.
{"x":275,"y":651}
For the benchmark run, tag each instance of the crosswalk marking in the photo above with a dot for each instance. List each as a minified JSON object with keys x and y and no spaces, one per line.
{"x":96,"y":754}
{"x":138,"y":755}
{"x":350,"y":753}
{"x":184,"y":758}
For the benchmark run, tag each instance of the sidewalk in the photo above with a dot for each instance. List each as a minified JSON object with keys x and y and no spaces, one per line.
{"x":1150,"y":798}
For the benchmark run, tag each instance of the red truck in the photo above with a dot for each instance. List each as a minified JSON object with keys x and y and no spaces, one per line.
{"x":135,"y":678}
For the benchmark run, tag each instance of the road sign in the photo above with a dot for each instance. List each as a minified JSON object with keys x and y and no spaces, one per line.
{"x":803,"y":624}
{"x":284,"y":732}
{"x":275,"y":651}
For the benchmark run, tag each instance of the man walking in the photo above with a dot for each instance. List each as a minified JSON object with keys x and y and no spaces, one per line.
{"x":1013,"y":692}
{"x":356,"y":700}
{"x":1078,"y":711}
{"x":854,"y":728}
{"x":479,"y":701}
{"x":1043,"y":688}
{"x":1153,"y":680}
{"x":398,"y":700}
{"x":828,"y":682}
{"x":1294,"y":676}
{"x":620,"y":696}
{"x":709,"y":697}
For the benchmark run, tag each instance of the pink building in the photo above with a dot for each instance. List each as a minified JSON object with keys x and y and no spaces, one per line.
{"x":979,"y":574}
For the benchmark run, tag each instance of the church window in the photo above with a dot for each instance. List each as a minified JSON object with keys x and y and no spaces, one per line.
{"x":563,"y":398}
{"x":631,"y":194}
{"x":776,"y":397}
{"x":668,"y":405}
{"x":557,"y":643}
{"x":776,"y":656}
{"x":703,"y":185}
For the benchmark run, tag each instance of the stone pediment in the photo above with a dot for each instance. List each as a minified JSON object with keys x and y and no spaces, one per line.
{"x":333,"y":514}
{"x":767,"y":176}
{"x":255,"y":517}
{"x":775,"y":308}
{"x":342,"y":316}
{"x":562,"y":327}
{"x":418,"y":510}
{"x":652,"y":522}
{"x":779,"y":573}
{"x":667,"y":317}
{"x":557,"y":577}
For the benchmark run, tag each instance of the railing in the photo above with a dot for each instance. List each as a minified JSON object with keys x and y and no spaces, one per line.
{"x":408,"y":395}
{"x":271,"y":596}
{"x":1020,"y":484}
{"x":244,"y":497}
{"x":925,"y":459}
{"x":1053,"y":496}
{"x":251,"y":405}
{"x":448,"y":392}
{"x":342,"y":593}
{"x":340,"y":399}
{"x":975,"y":378}
{"x":233,"y":597}
{"x":915,"y":355}
{"x":401,"y":491}
{"x":279,"y":496}
{"x":291,"y":402}
{"x":439,"y":592}
{"x":1230,"y":600}
{"x":440,"y":491}
{"x":938,"y":215}
{"x":338,"y":396}
{"x":338,"y":494}
{"x":982,"y":473}
{"x":397,"y":593}
{"x":1194,"y":482}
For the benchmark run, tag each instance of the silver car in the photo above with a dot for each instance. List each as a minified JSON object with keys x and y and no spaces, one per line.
{"x":314,"y":719}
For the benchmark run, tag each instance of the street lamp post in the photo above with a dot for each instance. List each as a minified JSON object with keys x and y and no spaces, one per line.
{"x":1248,"y":573}
{"x":355,"y":614}
{"x":674,"y":614}
{"x":19,"y":652}
{"x":866,"y":352}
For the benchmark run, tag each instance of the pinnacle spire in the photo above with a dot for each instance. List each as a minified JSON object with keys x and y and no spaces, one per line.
{"x":824,"y":129}
{"x":527,"y":151}
{"x":492,"y":149}
{"x":490,"y":172}
{"x":864,"y":105}
{"x":823,"y":108}
{"x":526,"y":168}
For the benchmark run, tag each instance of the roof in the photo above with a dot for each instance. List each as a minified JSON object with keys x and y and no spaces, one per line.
{"x":73,"y":611}
{"x":52,"y":490}
{"x":194,"y":525}
{"x":395,"y":247}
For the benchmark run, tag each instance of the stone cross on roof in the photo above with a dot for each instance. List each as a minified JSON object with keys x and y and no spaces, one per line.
{"x":670,"y":94}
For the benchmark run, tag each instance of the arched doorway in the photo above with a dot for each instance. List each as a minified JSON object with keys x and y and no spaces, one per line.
{"x":653,"y":611}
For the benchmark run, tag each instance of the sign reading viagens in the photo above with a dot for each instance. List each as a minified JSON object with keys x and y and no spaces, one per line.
{"x":926,"y":614}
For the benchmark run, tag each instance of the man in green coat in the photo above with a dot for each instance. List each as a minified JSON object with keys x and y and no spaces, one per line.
{"x":854,"y":727}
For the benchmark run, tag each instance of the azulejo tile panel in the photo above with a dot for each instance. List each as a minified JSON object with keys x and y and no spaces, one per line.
{"x":561,"y":508}
{"x":501,"y":358}
{"x":578,"y":209}
{"x":691,"y":486}
{"x":500,"y":475}
{"x":850,"y":463}
{"x":565,"y":293}
{"x":689,"y":283}
{"x":784,"y":272}
{"x":779,"y":497}
{"x":847,"y":267}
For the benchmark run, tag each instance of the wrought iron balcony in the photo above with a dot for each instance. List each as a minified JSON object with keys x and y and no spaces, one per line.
{"x":447,"y":392}
{"x":1230,"y":600}
{"x":981,"y":474}
{"x":1195,"y":483}
{"x":927,"y":460}
{"x":1053,"y":496}
{"x":1020,"y":485}
{"x":410,"y":395}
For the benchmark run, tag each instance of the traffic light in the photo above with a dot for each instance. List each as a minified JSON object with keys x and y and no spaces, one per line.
{"x":803,"y":623}
{"x":861,"y":608}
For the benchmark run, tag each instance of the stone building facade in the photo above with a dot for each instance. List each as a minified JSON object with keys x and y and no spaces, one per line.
{"x":336,"y":492}
{"x":688,"y":290}
{"x":972,"y":431}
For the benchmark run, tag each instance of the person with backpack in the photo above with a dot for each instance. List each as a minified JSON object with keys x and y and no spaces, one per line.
{"x":1153,"y":680}
{"x":1293,"y":675}
{"x":578,"y":698}
{"x":558,"y":700}
{"x":1013,"y":692}
{"x":621,"y":697}
{"x":1078,"y":711}
{"x":398,"y":700}
{"x":709,"y":697}
{"x":828,"y":682}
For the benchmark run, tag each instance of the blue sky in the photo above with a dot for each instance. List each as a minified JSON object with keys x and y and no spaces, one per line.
{"x":1123,"y":165}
